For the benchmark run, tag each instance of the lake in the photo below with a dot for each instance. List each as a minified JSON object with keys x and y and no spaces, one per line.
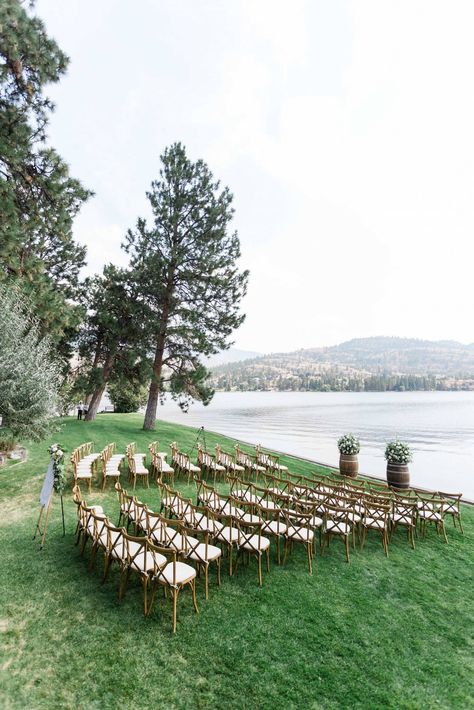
{"x":438,"y":425}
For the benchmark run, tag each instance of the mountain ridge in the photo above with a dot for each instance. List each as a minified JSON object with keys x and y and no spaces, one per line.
{"x":353,"y":364}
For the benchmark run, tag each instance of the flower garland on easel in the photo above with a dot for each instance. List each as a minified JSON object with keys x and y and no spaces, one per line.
{"x":57,"y":454}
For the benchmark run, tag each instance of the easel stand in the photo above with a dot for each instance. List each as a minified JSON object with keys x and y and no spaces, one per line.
{"x":46,"y":510}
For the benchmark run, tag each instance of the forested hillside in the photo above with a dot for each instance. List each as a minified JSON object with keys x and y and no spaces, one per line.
{"x":363,"y":364}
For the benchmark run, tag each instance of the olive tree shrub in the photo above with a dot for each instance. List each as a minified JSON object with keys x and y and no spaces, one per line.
{"x":29,"y":378}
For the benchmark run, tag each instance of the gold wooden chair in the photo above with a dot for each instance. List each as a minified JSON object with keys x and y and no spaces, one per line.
{"x":142,"y":559}
{"x":273,"y":526}
{"x":173,"y":576}
{"x":376,"y":517}
{"x":115,"y":550}
{"x":198,"y":550}
{"x":452,"y":506}
{"x":253,"y":543}
{"x":298,"y":531}
{"x":137,"y":470}
{"x":224,"y":458}
{"x":209,"y":464}
{"x":405,"y":513}
{"x":336,"y":524}
{"x":432,"y":510}
{"x":227,"y":535}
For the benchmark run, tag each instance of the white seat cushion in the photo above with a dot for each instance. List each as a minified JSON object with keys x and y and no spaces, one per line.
{"x":198,"y":554}
{"x":338,"y":528}
{"x":181,"y":574}
{"x":316,"y":522}
{"x":255,"y":544}
{"x":248,"y":518}
{"x":148,"y":562}
{"x":404,"y":519}
{"x":84,"y":474}
{"x":228,"y":534}
{"x":273,"y":527}
{"x":371,"y":523}
{"x":300,"y":533}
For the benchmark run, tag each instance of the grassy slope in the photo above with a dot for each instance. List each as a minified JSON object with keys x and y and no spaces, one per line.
{"x":376,"y":633}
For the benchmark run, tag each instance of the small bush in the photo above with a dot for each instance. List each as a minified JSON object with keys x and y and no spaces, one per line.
{"x":7,"y":443}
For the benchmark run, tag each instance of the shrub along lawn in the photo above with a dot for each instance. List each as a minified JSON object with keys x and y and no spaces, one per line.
{"x":392,"y":633}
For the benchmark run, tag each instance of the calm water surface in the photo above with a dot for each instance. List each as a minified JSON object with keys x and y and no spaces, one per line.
{"x":438,"y":425}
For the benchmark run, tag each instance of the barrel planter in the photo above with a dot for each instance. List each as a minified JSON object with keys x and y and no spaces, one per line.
{"x":398,"y":475}
{"x":349,"y":465}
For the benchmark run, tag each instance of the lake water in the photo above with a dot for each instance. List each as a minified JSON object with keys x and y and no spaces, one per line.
{"x":438,"y":425}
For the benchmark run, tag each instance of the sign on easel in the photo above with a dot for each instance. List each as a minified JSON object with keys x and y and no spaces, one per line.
{"x":46,"y":498}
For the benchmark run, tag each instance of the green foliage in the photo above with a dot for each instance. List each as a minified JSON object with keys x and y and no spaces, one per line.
{"x":348,"y":444}
{"x":38,"y":197}
{"x":127,"y":395}
{"x":398,"y":452}
{"x":112,"y":342}
{"x":7,"y":443}
{"x":29,"y":379}
{"x":185,"y":266}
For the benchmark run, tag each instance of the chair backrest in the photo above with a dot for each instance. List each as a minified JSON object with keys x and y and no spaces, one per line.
{"x":137,"y":547}
{"x":154,"y":526}
{"x":405,"y":510}
{"x":224,"y":458}
{"x":249,"y":533}
{"x":115,"y":541}
{"x":339,"y":518}
{"x":173,"y":536}
{"x":377,"y":513}
{"x":298,"y":519}
{"x":452,"y":502}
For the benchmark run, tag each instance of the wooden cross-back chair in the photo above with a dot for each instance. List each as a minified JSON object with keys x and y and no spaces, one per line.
{"x":199,"y":551}
{"x":209,"y":464}
{"x":224,"y":458}
{"x":376,"y":517}
{"x":298,"y":531}
{"x":432,"y":511}
{"x":254,"y":544}
{"x":137,"y":470}
{"x":142,"y":559}
{"x":452,"y":506}
{"x":404,"y":513}
{"x":273,"y":526}
{"x":174,"y":576}
{"x":269,"y":461}
{"x":115,"y":550}
{"x":336,"y":524}
{"x":249,"y":462}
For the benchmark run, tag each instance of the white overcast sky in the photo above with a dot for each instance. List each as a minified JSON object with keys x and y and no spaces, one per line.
{"x":344,"y":129}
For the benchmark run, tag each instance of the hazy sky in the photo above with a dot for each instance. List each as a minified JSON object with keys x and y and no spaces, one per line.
{"x":344,"y":129}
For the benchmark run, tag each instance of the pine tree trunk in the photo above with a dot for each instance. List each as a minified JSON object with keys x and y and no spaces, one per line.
{"x":94,"y":403}
{"x":151,"y":407}
{"x":97,"y":396}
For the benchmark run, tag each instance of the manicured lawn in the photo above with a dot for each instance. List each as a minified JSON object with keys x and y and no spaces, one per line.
{"x":375,"y":633}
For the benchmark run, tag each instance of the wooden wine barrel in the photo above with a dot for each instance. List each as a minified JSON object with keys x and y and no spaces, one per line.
{"x":349,"y":465}
{"x":398,"y":475}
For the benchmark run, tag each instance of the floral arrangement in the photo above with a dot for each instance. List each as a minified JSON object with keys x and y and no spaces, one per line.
{"x":59,"y":469}
{"x":348,"y":444}
{"x":398,"y":452}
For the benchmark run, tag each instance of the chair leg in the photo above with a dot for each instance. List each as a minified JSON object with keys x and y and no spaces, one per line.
{"x":107,"y":562}
{"x":218,"y":571}
{"x":260,"y":570}
{"x":206,"y":580}
{"x":268,"y":558}
{"x":152,"y":598}
{"x":310,"y":563}
{"x":145,"y":595}
{"x":346,"y":541}
{"x":175,"y":600}
{"x":193,"y":592}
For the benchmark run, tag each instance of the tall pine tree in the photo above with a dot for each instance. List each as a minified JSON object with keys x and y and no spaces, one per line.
{"x":38,"y":197}
{"x":185,"y":265}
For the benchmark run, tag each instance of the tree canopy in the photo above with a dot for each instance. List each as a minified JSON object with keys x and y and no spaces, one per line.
{"x":29,"y":377}
{"x":185,"y":267}
{"x":38,"y":197}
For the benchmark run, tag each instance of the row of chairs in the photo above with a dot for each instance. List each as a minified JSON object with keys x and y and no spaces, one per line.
{"x":84,"y":462}
{"x":157,"y":565}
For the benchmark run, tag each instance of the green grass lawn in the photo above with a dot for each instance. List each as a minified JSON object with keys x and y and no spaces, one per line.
{"x":375,"y":633}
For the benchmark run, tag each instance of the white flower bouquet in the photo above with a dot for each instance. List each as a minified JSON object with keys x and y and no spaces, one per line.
{"x":348,"y":445}
{"x":398,"y":452}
